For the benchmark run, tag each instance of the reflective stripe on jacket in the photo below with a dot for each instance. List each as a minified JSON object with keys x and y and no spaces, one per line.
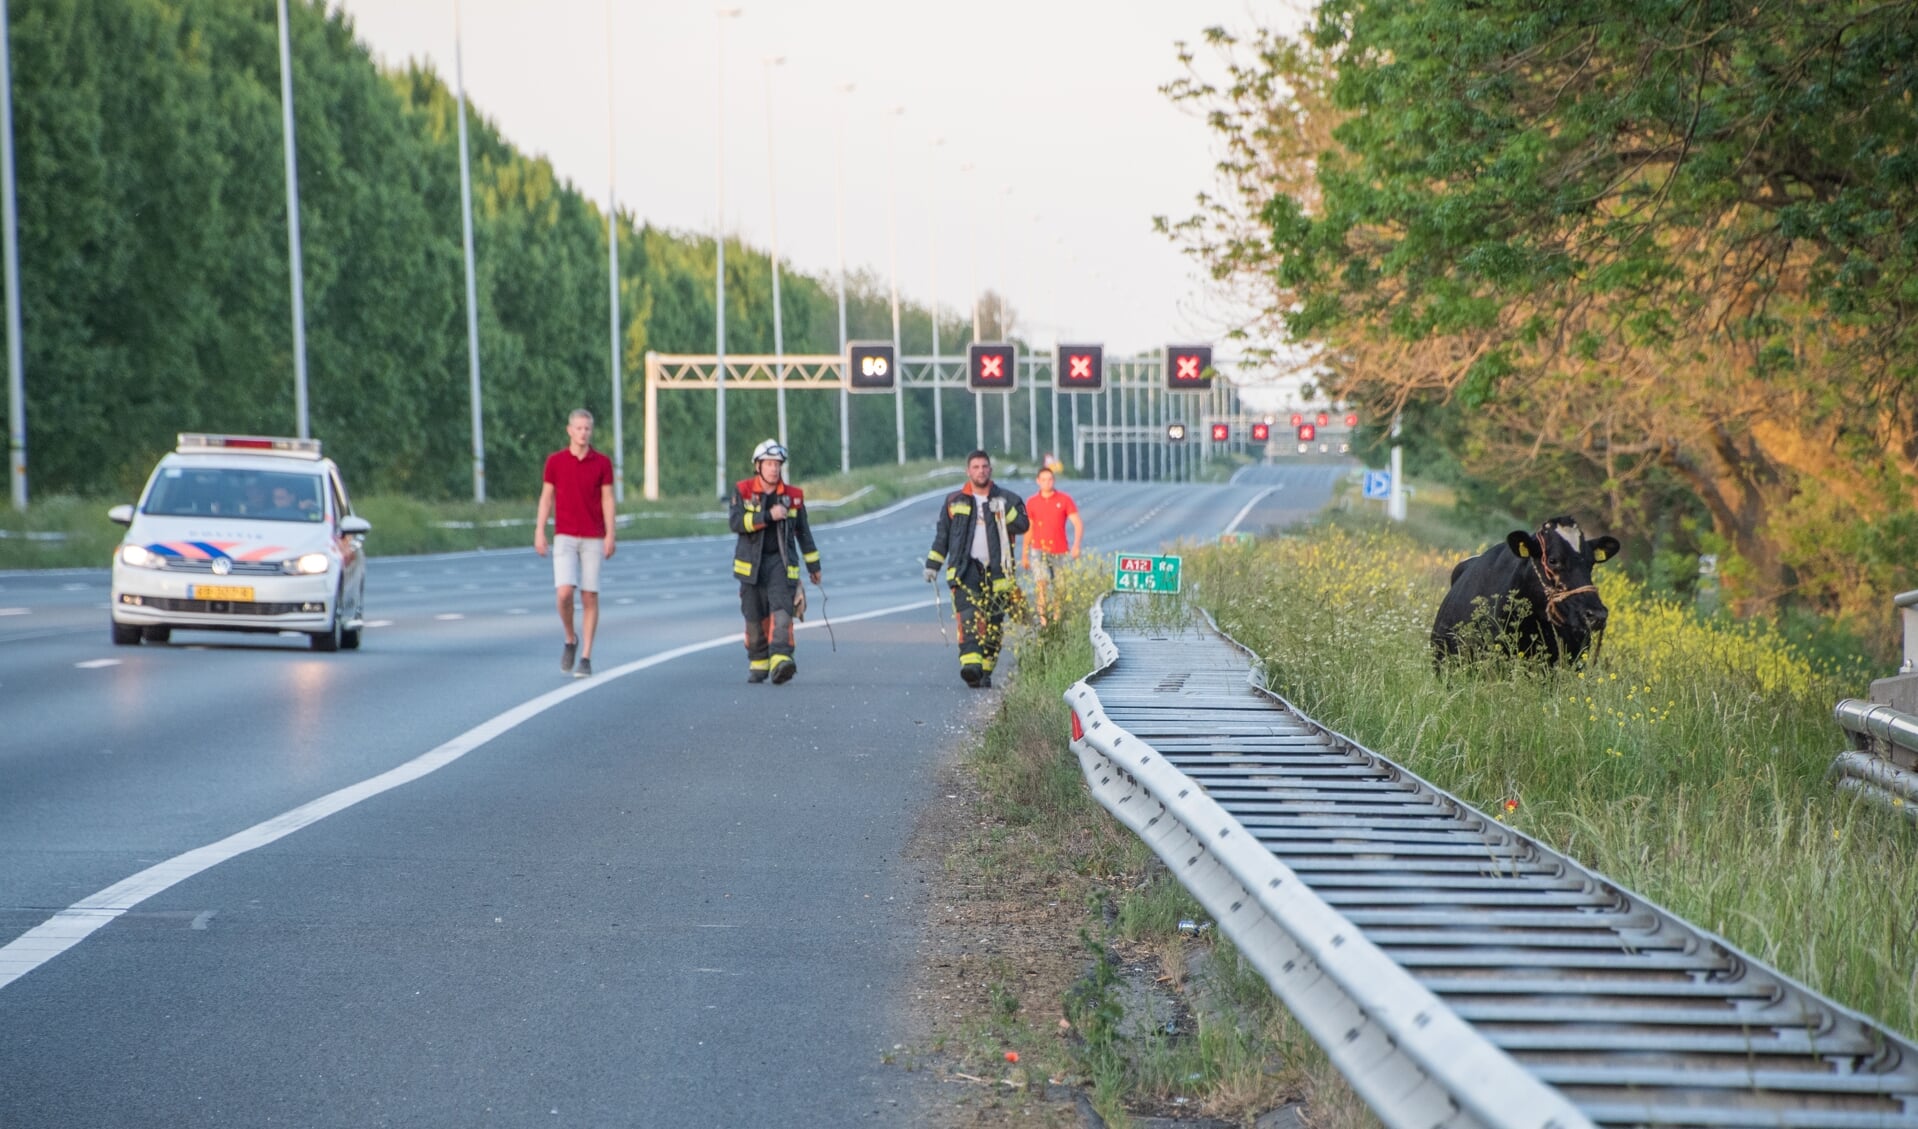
{"x":747,"y":517}
{"x":952,"y":540}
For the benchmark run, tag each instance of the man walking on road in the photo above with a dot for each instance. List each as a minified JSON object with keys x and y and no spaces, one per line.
{"x":974,"y":545}
{"x":1049,"y":511}
{"x":578,"y":495}
{"x":775,"y":536}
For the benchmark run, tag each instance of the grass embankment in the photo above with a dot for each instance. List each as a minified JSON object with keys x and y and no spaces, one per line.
{"x":1688,"y":763}
{"x":66,"y":532}
{"x":1232,"y":1050}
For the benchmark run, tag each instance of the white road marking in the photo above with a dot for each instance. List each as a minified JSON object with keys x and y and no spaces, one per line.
{"x":75,"y":587}
{"x":379,"y":623}
{"x":96,"y":664}
{"x":77,"y":922}
{"x":200,"y":919}
{"x":1233,"y":525}
{"x":15,"y":611}
{"x":624,"y":600}
{"x":515,"y":611}
{"x":449,"y":615}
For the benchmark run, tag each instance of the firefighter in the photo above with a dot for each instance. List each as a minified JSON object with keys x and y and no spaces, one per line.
{"x":973,"y":546}
{"x":774,"y":539}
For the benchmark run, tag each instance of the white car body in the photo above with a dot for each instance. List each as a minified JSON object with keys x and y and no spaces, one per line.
{"x":207,"y":547}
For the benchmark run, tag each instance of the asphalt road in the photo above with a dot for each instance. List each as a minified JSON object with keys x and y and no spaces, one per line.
{"x":434,"y":882}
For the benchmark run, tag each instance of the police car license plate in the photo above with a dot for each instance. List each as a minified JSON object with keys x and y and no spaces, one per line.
{"x":219,"y":592}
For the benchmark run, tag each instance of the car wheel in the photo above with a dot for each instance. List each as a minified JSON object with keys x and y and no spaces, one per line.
{"x":156,"y":634}
{"x":350,"y":637}
{"x":126,"y":634}
{"x":329,"y":640}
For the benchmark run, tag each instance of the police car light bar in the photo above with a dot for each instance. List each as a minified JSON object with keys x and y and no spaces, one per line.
{"x":267,"y":445}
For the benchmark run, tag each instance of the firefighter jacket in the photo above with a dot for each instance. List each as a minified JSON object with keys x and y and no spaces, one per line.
{"x":952,"y":543}
{"x":748,"y":519}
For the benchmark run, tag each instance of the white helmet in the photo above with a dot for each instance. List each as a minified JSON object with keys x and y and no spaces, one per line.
{"x":770,"y":449}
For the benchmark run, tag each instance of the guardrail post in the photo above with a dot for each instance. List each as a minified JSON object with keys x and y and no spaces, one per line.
{"x":1900,"y":691}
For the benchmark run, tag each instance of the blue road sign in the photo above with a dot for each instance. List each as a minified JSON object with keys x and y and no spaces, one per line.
{"x":1378,"y":484}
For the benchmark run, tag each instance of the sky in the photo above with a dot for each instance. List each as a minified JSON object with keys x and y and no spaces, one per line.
{"x":1054,"y":104}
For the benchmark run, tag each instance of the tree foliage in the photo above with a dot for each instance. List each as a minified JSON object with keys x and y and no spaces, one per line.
{"x":154,"y":269}
{"x":1656,"y":257}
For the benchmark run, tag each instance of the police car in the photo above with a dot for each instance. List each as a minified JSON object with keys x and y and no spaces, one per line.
{"x":241,"y":533}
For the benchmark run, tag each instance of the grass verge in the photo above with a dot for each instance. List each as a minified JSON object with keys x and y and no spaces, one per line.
{"x":68,"y":532}
{"x":1687,"y":763}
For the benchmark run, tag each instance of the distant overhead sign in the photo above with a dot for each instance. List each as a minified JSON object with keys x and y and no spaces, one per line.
{"x":870,"y":366}
{"x":1080,"y":368}
{"x":1188,"y":368}
{"x":991,"y":367}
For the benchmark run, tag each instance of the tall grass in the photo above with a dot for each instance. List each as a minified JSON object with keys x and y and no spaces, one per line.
{"x":1686,"y":762}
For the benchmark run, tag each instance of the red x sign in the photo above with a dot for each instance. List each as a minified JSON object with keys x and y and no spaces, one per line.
{"x":1186,"y":367}
{"x":1081,"y":368}
{"x":989,"y":367}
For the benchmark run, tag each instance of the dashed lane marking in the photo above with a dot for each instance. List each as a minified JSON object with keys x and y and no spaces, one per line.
{"x":16,"y":611}
{"x":450,"y":615}
{"x":96,"y":664}
{"x":77,"y":922}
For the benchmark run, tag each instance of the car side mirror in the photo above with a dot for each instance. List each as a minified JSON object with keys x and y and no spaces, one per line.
{"x":354,"y":526}
{"x":121,"y":515}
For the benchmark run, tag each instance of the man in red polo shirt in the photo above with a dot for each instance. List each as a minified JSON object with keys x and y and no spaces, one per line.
{"x":1049,"y":510}
{"x":578,"y":494}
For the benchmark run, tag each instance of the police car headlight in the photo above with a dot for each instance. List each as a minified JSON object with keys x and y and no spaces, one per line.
{"x":139,"y":556}
{"x":312,"y":564}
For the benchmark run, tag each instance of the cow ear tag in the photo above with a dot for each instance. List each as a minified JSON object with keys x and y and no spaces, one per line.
{"x":1524,"y":550}
{"x":1600,"y":555}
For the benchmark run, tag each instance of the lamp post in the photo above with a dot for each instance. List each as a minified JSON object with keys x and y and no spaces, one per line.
{"x":972,"y":287}
{"x":719,"y":259}
{"x":892,"y":252}
{"x":612,"y":267}
{"x":1005,"y":402}
{"x":839,"y":210}
{"x":472,"y":287}
{"x":772,"y":194}
{"x":16,"y":362}
{"x":932,"y":240}
{"x":293,"y":210}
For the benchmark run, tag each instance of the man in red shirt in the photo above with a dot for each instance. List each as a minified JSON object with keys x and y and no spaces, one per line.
{"x":578,"y":495}
{"x":1049,"y":511}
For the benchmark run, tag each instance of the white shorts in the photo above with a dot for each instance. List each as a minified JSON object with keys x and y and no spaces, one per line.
{"x":576,"y":562}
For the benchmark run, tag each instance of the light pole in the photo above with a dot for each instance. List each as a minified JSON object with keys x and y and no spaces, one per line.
{"x":972,"y":287}
{"x":16,"y":355}
{"x":293,"y":214}
{"x":932,"y":239}
{"x":612,"y":267}
{"x":892,"y":252}
{"x":719,"y":259}
{"x":1005,"y":402}
{"x":472,"y":288}
{"x":839,"y":212}
{"x":772,"y":194}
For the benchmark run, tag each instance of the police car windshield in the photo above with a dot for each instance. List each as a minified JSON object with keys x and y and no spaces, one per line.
{"x":260,"y":495}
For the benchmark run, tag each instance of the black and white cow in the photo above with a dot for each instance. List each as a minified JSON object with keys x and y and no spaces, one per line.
{"x":1543,"y":577}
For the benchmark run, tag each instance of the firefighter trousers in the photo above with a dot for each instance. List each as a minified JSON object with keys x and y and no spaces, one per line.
{"x":768,"y":608}
{"x":979,"y":603}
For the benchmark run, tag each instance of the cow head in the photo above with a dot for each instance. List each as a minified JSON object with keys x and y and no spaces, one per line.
{"x":1561,"y":560}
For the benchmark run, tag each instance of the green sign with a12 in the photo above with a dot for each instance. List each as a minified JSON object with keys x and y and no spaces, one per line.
{"x":1134,"y":573}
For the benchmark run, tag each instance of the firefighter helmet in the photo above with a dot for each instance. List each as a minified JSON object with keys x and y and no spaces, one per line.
{"x":770,"y":449}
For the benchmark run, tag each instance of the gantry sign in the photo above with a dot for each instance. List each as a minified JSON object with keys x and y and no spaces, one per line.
{"x":1123,"y":419}
{"x":1081,"y":368}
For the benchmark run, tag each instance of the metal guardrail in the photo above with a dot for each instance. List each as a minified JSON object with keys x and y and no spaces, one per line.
{"x":1863,"y":772}
{"x":1907,"y":605}
{"x":1457,"y":971}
